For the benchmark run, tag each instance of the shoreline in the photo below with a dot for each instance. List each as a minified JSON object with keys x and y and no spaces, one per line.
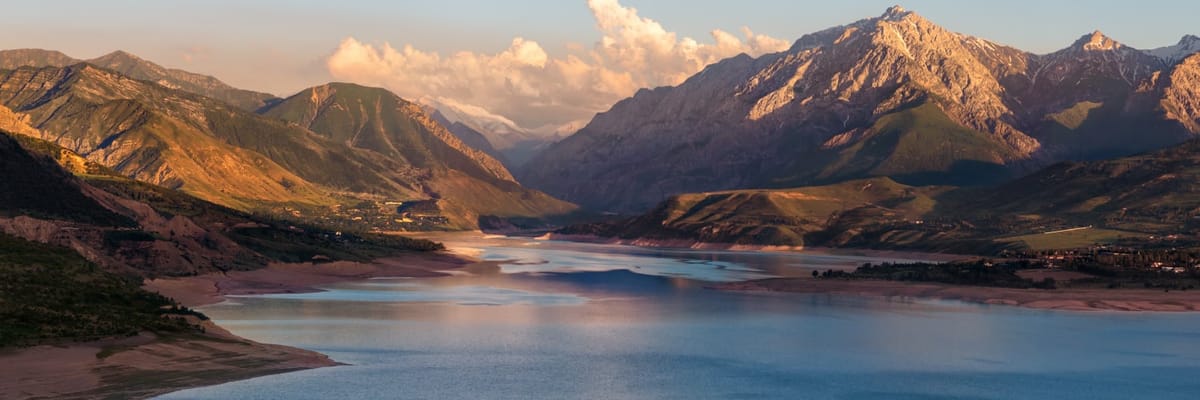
{"x":685,"y":244}
{"x":149,"y":365}
{"x":1064,"y":299}
{"x":202,"y":290}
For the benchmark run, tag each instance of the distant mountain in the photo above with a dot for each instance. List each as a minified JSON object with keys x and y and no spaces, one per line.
{"x":895,"y":96}
{"x":242,"y":160}
{"x":1188,"y":45}
{"x":472,"y":182}
{"x":515,"y":143}
{"x":137,"y":68}
{"x":469,"y":136}
{"x":13,"y":59}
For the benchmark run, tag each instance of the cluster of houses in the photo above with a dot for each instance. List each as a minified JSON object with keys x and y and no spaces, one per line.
{"x":1163,"y":260}
{"x":1165,"y":267}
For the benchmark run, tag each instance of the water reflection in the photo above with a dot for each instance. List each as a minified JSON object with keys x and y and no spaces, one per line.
{"x":601,"y":331}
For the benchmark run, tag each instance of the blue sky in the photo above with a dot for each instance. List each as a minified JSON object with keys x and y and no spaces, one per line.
{"x":274,"y":32}
{"x":282,"y":46}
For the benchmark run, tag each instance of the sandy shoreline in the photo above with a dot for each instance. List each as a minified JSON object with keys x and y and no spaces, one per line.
{"x":1059,"y":299}
{"x":148,"y":365}
{"x":300,"y":278}
{"x":695,"y":245}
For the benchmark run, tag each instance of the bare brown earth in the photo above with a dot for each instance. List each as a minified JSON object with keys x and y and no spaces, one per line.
{"x":299,"y":278}
{"x":144,"y":366}
{"x":1059,"y":299}
{"x":149,"y":365}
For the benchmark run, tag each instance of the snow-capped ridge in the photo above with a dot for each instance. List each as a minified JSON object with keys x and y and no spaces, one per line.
{"x":1188,"y":45}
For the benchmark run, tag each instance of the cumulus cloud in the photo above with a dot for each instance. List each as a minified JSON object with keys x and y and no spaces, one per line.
{"x":526,"y":85}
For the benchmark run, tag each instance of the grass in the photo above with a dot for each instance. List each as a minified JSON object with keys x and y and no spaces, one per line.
{"x":1071,"y":239}
{"x":919,"y":146}
{"x":1074,"y":117}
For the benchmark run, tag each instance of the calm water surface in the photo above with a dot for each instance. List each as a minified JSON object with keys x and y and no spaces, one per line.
{"x":578,"y":321}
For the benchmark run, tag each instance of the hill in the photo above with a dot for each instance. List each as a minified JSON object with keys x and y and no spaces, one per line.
{"x":465,"y":182}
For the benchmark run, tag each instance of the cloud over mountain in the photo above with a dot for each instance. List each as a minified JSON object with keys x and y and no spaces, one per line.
{"x":525,"y":84}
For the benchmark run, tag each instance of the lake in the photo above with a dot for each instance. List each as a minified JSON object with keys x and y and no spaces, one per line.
{"x":586,"y":321}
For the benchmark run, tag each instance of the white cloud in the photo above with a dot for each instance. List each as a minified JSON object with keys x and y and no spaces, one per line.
{"x":528,"y":86}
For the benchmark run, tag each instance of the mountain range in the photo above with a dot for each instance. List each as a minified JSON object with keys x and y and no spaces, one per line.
{"x":137,"y":68}
{"x":310,"y":155}
{"x":892,"y":102}
{"x":893,"y":96}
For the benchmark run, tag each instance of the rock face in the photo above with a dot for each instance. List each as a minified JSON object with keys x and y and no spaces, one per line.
{"x":894,"y":96}
{"x":1181,"y":93}
{"x":137,"y":68}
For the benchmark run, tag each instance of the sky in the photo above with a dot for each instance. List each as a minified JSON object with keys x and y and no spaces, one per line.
{"x":534,"y":63}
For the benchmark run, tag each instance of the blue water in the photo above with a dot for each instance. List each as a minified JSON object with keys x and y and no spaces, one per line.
{"x":569,"y":321}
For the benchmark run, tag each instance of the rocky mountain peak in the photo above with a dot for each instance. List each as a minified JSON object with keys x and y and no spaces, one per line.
{"x":1096,"y":41}
{"x":119,"y":55}
{"x":895,"y":12}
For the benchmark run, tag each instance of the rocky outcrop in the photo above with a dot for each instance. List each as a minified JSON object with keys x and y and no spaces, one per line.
{"x":1181,"y":93}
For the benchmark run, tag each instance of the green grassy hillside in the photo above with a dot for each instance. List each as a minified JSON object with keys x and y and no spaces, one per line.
{"x":921,"y":145}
